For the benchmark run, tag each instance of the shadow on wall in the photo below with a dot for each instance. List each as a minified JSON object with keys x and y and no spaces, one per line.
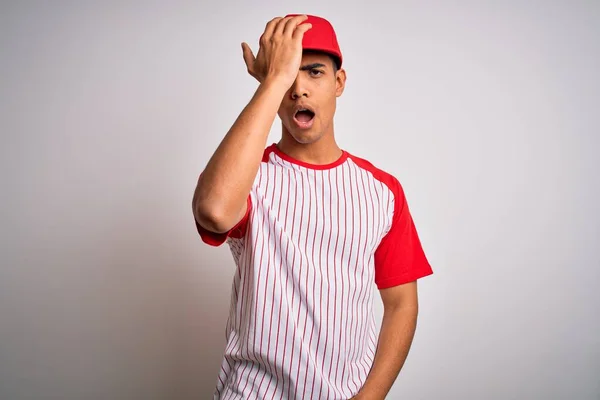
{"x":208,"y":293}
{"x":183,"y":287}
{"x":121,"y":307}
{"x":201,"y":277}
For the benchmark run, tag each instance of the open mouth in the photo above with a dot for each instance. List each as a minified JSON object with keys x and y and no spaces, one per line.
{"x":304,"y":116}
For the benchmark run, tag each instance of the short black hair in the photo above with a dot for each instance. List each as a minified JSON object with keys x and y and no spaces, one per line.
{"x":336,"y":63}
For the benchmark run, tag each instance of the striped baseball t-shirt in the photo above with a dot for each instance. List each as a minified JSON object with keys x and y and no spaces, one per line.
{"x":312,"y":245}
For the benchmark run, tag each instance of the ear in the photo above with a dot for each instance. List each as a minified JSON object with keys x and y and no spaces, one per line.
{"x":340,"y":82}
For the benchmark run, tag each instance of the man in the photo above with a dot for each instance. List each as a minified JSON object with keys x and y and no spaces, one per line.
{"x":311,"y":227}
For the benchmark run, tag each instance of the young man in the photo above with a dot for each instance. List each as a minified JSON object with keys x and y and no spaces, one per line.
{"x":311,"y":228}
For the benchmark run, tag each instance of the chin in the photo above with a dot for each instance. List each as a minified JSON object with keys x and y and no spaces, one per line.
{"x":306,"y":136}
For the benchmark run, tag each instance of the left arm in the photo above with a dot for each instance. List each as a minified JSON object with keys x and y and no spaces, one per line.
{"x":395,"y":338}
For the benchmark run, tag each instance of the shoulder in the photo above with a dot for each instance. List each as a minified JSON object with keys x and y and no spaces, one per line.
{"x":385,"y":177}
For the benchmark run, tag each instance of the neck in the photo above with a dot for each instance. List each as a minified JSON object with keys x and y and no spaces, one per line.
{"x":320,"y":152}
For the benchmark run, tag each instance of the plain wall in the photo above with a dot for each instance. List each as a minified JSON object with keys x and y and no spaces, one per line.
{"x":487,"y":112}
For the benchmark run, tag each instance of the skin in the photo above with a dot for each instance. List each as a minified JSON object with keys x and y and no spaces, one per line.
{"x":318,"y":86}
{"x":287,"y":77}
{"x":400,"y":310}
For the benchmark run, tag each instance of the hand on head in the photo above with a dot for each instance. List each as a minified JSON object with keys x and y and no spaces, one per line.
{"x":280,"y":51}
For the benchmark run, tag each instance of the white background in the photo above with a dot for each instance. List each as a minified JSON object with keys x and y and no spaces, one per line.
{"x":487,"y":112}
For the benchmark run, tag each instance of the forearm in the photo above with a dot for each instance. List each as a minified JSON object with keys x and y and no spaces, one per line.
{"x":226,"y":181}
{"x":395,"y":338}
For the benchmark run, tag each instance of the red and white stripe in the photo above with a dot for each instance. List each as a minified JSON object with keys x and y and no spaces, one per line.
{"x":315,"y":241}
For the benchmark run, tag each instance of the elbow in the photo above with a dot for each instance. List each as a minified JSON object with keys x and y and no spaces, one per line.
{"x":210,"y":218}
{"x":211,"y":222}
{"x":214,"y":212}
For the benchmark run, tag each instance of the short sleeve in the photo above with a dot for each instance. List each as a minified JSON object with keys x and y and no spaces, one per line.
{"x":400,"y":258}
{"x":238,"y":231}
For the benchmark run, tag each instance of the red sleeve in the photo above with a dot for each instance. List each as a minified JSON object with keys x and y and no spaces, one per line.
{"x":400,"y":258}
{"x":217,"y":239}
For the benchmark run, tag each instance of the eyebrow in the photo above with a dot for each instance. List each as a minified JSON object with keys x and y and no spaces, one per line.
{"x":311,"y":66}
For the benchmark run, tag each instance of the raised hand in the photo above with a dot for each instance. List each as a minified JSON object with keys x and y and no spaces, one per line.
{"x":280,"y":51}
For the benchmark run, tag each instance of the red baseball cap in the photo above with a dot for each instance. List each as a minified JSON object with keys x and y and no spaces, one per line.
{"x":320,"y":37}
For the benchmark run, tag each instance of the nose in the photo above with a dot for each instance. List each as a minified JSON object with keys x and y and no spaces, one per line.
{"x":299,"y":89}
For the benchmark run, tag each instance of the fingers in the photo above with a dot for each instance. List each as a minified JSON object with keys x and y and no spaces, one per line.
{"x":248,"y":55}
{"x":292,"y":23}
{"x":269,"y":29}
{"x":281,"y":26}
{"x":299,"y":32}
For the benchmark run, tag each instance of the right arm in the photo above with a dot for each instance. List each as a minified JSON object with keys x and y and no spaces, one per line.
{"x":220,"y":198}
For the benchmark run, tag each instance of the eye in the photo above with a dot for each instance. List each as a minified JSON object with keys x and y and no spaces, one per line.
{"x":316,"y":72}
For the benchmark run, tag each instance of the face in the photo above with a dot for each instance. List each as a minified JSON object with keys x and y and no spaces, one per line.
{"x":308,"y":107}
